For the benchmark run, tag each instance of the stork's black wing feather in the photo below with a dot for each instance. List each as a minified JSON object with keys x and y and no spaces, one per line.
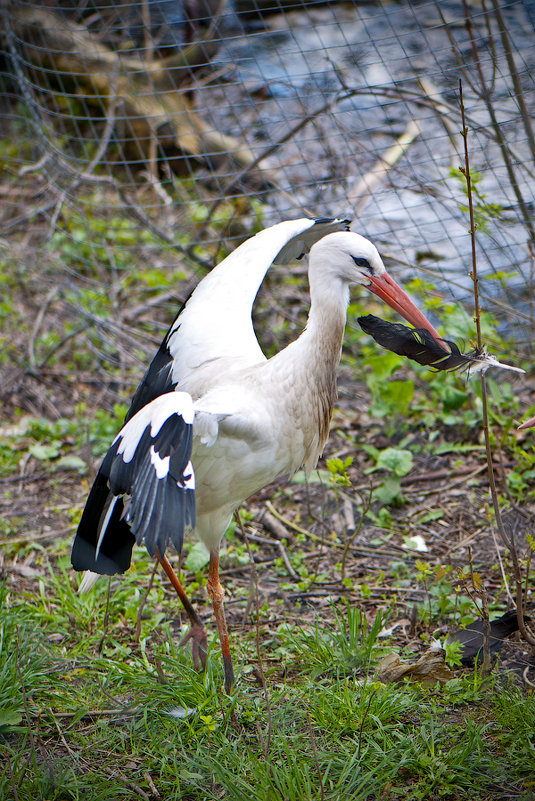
{"x":144,"y":489}
{"x":472,"y":640}
{"x":159,"y":482}
{"x":415,"y":343}
{"x":157,"y":379}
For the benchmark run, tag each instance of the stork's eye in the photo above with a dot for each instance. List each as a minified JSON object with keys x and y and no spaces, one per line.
{"x":364,"y":264}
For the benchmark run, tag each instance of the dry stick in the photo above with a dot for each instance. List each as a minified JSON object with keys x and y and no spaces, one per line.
{"x":477,"y":320}
{"x":462,"y":580}
{"x":508,"y":542}
{"x":526,"y":119}
{"x":112,"y":773}
{"x":502,"y":568}
{"x":290,"y":524}
{"x":58,"y":346}
{"x":133,"y":208}
{"x":271,"y":523}
{"x":439,"y":107}
{"x":92,"y":713}
{"x":509,"y":156}
{"x":479,"y":588}
{"x":150,"y":782}
{"x":95,"y":161}
{"x":149,"y":43}
{"x":130,"y":205}
{"x":486,"y":631}
{"x":37,"y":325}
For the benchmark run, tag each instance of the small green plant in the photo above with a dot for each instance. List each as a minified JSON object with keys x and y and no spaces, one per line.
{"x":338,"y":469}
{"x":484,"y":212}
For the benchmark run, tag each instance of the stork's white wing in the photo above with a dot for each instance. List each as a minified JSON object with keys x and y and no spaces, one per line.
{"x":215,"y":322}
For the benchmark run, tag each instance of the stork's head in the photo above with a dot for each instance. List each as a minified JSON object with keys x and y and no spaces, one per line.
{"x":355,"y":260}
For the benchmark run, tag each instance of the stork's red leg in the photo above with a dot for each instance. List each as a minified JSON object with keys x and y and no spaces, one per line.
{"x":197,"y":632}
{"x":216,"y":593}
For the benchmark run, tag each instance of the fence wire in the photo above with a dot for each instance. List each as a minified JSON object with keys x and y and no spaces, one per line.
{"x":201,"y":120}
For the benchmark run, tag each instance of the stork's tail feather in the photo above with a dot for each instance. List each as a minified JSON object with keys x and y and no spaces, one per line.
{"x":107,"y":551}
{"x":89,"y":579}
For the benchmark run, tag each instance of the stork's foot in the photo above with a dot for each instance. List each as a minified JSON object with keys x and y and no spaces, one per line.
{"x":199,"y":645}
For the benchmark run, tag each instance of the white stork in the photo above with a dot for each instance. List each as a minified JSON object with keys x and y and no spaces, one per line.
{"x":214,"y":421}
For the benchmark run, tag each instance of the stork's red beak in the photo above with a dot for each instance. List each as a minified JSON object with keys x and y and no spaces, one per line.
{"x":388,"y":290}
{"x":527,"y":424}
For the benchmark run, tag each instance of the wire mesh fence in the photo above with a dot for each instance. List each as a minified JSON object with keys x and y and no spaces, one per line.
{"x":156,"y":126}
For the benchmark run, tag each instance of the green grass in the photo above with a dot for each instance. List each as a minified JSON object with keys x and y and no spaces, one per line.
{"x":89,"y":717}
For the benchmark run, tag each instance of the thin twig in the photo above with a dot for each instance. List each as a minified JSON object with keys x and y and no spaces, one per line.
{"x":99,"y":154}
{"x":265,"y":154}
{"x":93,"y":713}
{"x":362,"y":191}
{"x":502,"y":568}
{"x":277,"y":528}
{"x":150,"y":782}
{"x":290,"y":524}
{"x":508,"y":541}
{"x":149,"y":43}
{"x":487,"y":665}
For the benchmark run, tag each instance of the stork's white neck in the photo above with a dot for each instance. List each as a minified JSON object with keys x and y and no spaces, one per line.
{"x":317,"y":351}
{"x":307,"y":367}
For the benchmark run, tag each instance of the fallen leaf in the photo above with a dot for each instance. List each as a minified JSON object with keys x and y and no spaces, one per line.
{"x":427,"y":669}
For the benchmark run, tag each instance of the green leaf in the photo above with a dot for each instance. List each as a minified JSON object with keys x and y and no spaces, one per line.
{"x":456,"y":447}
{"x":198,"y":557}
{"x":389,"y":491}
{"x":72,"y":462}
{"x":396,"y":460}
{"x":393,"y":397}
{"x":44,"y":452}
{"x":316,"y":477}
{"x":453,"y":398}
{"x":9,"y":718}
{"x":384,"y":364}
